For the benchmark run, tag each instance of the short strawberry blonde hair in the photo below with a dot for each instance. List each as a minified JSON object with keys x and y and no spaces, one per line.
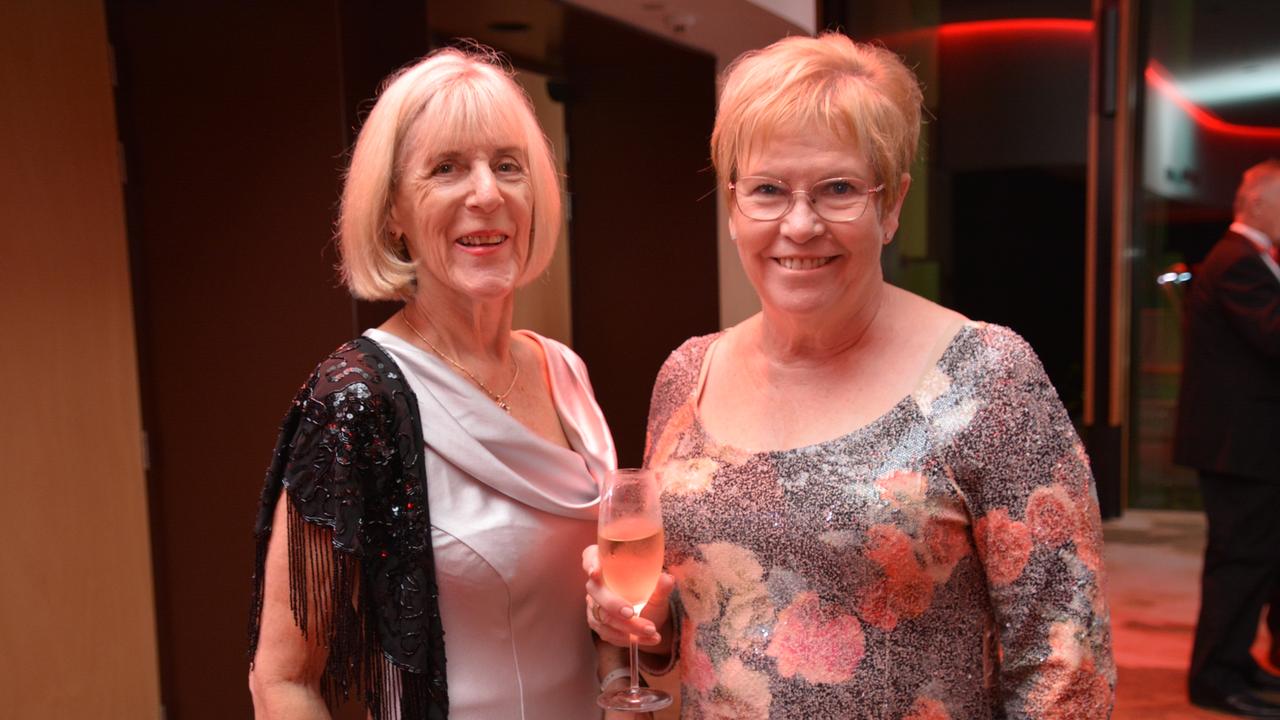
{"x":449,"y":99}
{"x":863,"y":93}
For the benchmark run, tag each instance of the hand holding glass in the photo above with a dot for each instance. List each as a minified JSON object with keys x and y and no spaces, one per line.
{"x":630,"y":548}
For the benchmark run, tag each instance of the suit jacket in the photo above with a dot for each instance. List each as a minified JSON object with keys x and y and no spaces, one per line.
{"x":1229,"y":405}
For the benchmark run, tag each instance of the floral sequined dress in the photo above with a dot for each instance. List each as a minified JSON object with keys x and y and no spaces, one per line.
{"x":941,"y":562}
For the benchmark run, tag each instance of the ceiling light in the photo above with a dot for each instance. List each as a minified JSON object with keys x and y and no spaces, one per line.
{"x":1259,"y":80}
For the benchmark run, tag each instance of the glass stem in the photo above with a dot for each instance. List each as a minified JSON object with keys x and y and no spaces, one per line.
{"x":635,"y":666}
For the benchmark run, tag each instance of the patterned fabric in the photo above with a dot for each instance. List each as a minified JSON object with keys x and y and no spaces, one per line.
{"x":361,"y":574}
{"x":941,"y":562}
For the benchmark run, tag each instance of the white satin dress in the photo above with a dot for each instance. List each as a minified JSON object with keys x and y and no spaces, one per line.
{"x":510,"y":515}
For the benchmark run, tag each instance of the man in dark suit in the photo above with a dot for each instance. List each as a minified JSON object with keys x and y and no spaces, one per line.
{"x":1228,"y":427}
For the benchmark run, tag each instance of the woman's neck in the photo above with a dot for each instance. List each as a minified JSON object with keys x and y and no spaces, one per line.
{"x":466,"y":329}
{"x":785,"y":339}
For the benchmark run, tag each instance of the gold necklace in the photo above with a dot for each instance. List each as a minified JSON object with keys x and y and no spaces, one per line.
{"x":500,"y":399}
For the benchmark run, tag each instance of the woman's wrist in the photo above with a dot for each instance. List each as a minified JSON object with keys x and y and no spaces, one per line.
{"x":611,"y":663}
{"x":620,"y":673}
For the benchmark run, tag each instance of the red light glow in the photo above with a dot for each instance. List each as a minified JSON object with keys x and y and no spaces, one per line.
{"x":1034,"y":29}
{"x":1010,"y":28}
{"x":1157,"y":77}
{"x":1015,"y":26}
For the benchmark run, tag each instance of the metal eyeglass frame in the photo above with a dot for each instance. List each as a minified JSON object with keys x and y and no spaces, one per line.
{"x":791,"y":201}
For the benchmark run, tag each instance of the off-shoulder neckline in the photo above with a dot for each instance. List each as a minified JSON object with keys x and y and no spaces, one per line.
{"x":963,"y":332}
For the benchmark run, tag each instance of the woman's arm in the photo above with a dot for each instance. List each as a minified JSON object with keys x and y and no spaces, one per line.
{"x":613,"y":664}
{"x":285,"y":676}
{"x":611,"y":617}
{"x":611,"y":661}
{"x":1039,"y":538}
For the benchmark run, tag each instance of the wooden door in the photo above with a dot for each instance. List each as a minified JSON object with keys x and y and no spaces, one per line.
{"x":236,"y":118}
{"x":639,"y":113}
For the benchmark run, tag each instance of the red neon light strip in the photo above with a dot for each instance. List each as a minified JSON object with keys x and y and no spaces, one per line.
{"x":1015,"y":26}
{"x":983,"y":28}
{"x":1158,"y":78}
{"x":1157,"y":75}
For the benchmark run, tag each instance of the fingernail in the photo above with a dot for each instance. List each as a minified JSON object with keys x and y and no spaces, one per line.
{"x":626,"y":612}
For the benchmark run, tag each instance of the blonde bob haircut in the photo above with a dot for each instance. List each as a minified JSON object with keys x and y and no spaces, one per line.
{"x":863,"y":93}
{"x":451,"y":99}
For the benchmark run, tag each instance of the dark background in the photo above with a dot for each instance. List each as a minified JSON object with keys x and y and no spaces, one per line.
{"x":236,"y":119}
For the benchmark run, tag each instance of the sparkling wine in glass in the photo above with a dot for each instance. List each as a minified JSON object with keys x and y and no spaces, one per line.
{"x":630,"y":545}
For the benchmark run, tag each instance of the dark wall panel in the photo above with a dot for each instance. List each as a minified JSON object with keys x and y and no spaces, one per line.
{"x":377,"y":38}
{"x":236,"y":117}
{"x":639,"y":117}
{"x":1022,"y":262}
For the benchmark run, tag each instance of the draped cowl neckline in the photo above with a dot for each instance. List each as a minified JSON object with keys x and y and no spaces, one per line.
{"x":468,"y":430}
{"x":510,"y":514}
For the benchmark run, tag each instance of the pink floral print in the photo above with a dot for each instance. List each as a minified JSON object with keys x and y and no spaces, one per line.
{"x":696,"y":671}
{"x":659,"y":450}
{"x":902,"y":487}
{"x":1004,"y":544}
{"x":927,"y":709}
{"x":1052,"y":516}
{"x":1070,"y":677}
{"x":820,"y":644}
{"x":906,"y":590}
{"x":942,"y":562}
{"x":946,"y":539}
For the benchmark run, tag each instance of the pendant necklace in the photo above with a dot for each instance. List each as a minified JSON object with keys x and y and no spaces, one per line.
{"x":501,"y":399}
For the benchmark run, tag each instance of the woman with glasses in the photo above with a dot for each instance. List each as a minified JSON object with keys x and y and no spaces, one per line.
{"x":874,"y":507}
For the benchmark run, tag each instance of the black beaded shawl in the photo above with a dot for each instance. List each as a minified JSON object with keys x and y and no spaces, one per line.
{"x":361,"y":572}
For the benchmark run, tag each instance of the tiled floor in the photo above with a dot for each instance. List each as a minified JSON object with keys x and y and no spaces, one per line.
{"x":1153,"y":562}
{"x":1153,"y":565}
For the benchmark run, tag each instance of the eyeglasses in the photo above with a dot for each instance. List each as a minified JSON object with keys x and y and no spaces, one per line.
{"x":834,"y":200}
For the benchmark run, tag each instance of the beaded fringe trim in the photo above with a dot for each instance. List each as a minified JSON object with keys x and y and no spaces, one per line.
{"x":326,"y":599}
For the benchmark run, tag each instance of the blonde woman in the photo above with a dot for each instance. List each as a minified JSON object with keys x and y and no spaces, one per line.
{"x":437,"y":478}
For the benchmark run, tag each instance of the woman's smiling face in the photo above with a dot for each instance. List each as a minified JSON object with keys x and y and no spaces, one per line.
{"x":466,"y":215}
{"x":801,"y":264}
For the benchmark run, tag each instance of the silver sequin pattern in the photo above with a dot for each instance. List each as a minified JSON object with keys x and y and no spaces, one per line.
{"x":942,"y":562}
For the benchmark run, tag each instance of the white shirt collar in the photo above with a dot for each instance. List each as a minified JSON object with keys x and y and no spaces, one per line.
{"x":1255,"y":235}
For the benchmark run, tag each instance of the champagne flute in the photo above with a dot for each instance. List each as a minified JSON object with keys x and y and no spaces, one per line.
{"x":630,"y":544}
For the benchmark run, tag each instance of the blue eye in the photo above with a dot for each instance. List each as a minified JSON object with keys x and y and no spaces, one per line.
{"x":838,"y":188}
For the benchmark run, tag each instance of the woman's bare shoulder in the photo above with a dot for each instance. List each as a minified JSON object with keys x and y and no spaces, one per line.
{"x":930,"y":322}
